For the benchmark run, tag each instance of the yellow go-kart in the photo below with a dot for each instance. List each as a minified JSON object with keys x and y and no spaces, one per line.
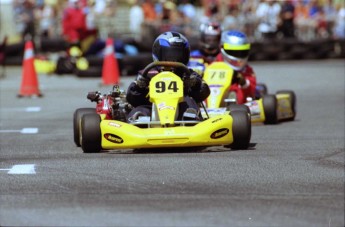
{"x":162,"y":129}
{"x":267,"y":108}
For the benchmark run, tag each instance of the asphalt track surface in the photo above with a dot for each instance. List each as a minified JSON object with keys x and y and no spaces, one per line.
{"x":293,"y":176}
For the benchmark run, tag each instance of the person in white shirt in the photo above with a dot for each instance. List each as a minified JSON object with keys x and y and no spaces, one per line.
{"x":136,"y":18}
{"x":268,"y":13}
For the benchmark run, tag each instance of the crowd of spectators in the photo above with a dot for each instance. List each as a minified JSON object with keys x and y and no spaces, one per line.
{"x":302,"y":19}
{"x":266,"y":19}
{"x":75,"y":20}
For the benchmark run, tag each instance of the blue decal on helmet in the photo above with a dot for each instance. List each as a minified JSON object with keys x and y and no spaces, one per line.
{"x":164,"y":42}
{"x":236,"y":33}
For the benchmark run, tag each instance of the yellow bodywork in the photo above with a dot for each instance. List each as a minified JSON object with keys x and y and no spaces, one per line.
{"x":44,"y":66}
{"x":218,"y":76}
{"x":166,"y":91}
{"x":214,"y":131}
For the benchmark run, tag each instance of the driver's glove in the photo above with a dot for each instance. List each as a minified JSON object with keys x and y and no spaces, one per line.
{"x":239,"y":79}
{"x":193,"y":81}
{"x":142,"y":82}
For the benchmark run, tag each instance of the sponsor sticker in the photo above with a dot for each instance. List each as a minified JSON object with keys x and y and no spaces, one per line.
{"x":166,"y":107}
{"x":219,"y":133}
{"x":114,"y":124}
{"x":113,"y":138}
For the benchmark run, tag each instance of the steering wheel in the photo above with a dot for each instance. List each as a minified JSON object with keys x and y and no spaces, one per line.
{"x":171,"y":64}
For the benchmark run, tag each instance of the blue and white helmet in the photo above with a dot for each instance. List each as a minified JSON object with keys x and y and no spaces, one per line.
{"x":235,"y":48}
{"x":171,"y":46}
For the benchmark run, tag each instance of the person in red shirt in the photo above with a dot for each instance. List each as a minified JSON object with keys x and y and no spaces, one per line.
{"x":234,"y":50}
{"x":74,"y":22}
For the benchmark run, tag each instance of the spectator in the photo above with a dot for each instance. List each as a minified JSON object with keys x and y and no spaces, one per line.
{"x":249,"y":19}
{"x":233,"y":20}
{"x":90,"y":11}
{"x":318,"y":19}
{"x":136,"y":18}
{"x":74,"y":22}
{"x":24,"y":12}
{"x":287,"y":19}
{"x":188,"y":10}
{"x":330,"y":16}
{"x":149,"y":11}
{"x":168,"y":20}
{"x":268,"y":12}
{"x":188,"y":14}
{"x":211,"y":11}
{"x":100,"y":6}
{"x":339,"y":27}
{"x":47,"y":22}
{"x":304,"y":25}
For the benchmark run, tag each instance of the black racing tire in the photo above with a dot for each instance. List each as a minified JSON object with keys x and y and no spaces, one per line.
{"x":14,"y":60}
{"x":64,"y":65}
{"x":95,"y":61}
{"x":53,"y":45}
{"x":78,"y":113}
{"x":91,"y":137}
{"x":15,"y":50}
{"x":285,"y":56}
{"x":131,"y":65}
{"x":241,"y":130}
{"x":270,"y":109}
{"x":292,"y":101}
{"x":235,"y":107}
{"x":91,"y":72}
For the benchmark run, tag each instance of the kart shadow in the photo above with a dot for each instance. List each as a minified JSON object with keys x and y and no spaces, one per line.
{"x":179,"y":150}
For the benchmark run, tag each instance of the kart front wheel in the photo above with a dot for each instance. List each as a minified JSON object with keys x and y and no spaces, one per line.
{"x":270,"y":105}
{"x":241,"y":129}
{"x":78,"y":113}
{"x":292,"y":98}
{"x":91,"y":137}
{"x":236,"y":107}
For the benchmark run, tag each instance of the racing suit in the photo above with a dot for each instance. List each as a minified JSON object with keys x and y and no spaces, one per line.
{"x":247,"y":90}
{"x":139,"y":99}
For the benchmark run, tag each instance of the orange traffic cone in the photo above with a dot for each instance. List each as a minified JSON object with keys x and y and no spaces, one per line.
{"x":110,"y":70}
{"x":29,"y":85}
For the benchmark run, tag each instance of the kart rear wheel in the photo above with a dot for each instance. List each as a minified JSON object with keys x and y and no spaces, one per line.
{"x":78,"y":113}
{"x":91,"y":133}
{"x":292,"y":99}
{"x":270,"y":109}
{"x":241,"y":129}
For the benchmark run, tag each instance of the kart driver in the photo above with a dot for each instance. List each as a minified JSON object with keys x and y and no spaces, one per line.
{"x":234,"y":50}
{"x":169,"y":46}
{"x":209,"y":44}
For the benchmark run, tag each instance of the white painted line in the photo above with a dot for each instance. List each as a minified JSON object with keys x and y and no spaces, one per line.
{"x":23,"y":131}
{"x":29,"y":131}
{"x":23,"y":169}
{"x":8,"y":131}
{"x":33,"y":109}
{"x":26,"y":109}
